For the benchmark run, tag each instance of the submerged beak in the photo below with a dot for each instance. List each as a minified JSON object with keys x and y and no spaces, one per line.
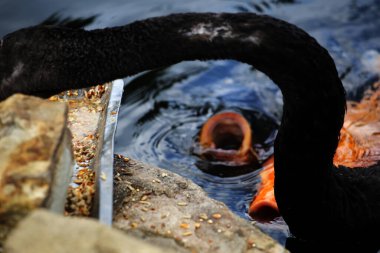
{"x":264,"y":206}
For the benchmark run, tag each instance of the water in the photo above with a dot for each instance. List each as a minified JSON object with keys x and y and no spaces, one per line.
{"x":163,"y":110}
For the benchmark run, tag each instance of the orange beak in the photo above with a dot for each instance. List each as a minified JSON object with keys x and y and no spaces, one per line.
{"x":264,"y":206}
{"x":227,"y":137}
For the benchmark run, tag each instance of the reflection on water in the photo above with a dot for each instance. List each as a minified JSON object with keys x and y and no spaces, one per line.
{"x":163,"y":110}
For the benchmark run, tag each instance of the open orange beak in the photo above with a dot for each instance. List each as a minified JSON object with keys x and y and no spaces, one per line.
{"x":227,"y":137}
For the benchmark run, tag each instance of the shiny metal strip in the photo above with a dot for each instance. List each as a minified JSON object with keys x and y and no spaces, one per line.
{"x":103,"y":205}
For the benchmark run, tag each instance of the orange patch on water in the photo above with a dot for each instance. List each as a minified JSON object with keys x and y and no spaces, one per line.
{"x":359,"y":144}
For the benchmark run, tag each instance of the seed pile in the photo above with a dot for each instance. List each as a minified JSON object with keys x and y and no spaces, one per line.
{"x":84,"y":115}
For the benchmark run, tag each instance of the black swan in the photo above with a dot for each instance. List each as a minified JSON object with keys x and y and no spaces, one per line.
{"x":336,"y":204}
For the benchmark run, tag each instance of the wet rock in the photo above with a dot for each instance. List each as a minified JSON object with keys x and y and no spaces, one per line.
{"x":171,"y":211}
{"x":35,"y":157}
{"x":43,"y":231}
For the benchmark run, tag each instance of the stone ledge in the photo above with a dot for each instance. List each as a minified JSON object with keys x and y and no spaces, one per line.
{"x":173,"y":212}
{"x":43,"y":231}
{"x":35,"y":157}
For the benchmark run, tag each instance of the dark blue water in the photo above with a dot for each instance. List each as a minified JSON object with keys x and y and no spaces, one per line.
{"x":163,"y":110}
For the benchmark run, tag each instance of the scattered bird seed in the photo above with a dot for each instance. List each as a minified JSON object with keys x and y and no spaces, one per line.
{"x":182,"y":203}
{"x":188,"y":233}
{"x":217,"y":216}
{"x":210,"y":222}
{"x":203,"y":216}
{"x":251,"y":243}
{"x":78,"y":181}
{"x":184,"y":225}
{"x":131,"y":188}
{"x":103,"y":176}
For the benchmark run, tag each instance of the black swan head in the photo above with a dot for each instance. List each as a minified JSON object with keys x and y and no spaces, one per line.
{"x":343,"y":205}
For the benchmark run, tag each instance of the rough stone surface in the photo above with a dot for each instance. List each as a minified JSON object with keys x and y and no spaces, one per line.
{"x":168,"y":210}
{"x":43,"y":231}
{"x":35,"y":157}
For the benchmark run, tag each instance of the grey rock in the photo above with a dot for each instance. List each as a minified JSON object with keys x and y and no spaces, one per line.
{"x":169,"y":210}
{"x":43,"y":231}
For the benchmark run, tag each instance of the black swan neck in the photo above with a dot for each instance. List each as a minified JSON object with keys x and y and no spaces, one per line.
{"x":314,"y":98}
